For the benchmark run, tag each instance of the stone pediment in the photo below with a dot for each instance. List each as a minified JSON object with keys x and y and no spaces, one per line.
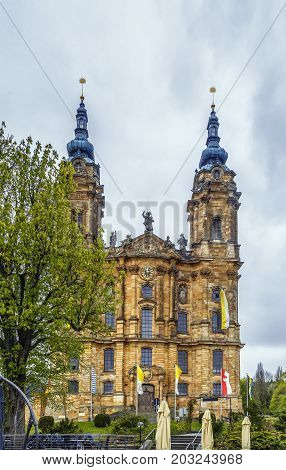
{"x":146,"y":245}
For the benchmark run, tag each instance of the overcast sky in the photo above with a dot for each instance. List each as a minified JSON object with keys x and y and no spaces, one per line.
{"x":149,"y":65}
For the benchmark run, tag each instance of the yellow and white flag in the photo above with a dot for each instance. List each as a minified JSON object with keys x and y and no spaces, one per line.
{"x":178,"y":372}
{"x":140,"y":380}
{"x":224,"y":310}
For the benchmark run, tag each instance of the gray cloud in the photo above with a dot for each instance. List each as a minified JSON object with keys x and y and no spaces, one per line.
{"x":149,"y":66}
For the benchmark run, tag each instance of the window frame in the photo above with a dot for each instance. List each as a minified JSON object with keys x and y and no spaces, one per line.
{"x":216,"y":369}
{"x":217,"y":385}
{"x":111,"y":315}
{"x":70,"y":391}
{"x":144,"y":295}
{"x":75,"y":367}
{"x":216,"y":231}
{"x":218,"y":329}
{"x":185,"y":385}
{"x":183,"y":363}
{"x":182,"y":313}
{"x":149,"y":352}
{"x":146,"y":328}
{"x":79,"y":219}
{"x":106,"y":383}
{"x":216,"y":294}
{"x":107,"y":362}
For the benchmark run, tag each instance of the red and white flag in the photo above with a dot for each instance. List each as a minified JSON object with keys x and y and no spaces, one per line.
{"x":225,"y":383}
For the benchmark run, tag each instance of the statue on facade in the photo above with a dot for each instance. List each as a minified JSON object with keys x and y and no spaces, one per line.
{"x":182,"y":241}
{"x":127,"y":241}
{"x":182,"y":293}
{"x":148,"y":221}
{"x":113,"y":239}
{"x":168,"y":243}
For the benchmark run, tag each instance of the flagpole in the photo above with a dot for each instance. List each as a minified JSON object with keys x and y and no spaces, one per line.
{"x":91,"y":410}
{"x":136,"y":391}
{"x":175,"y":397}
{"x":247,"y":393}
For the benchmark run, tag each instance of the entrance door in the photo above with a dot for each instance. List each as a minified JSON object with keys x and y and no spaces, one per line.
{"x":145,"y":401}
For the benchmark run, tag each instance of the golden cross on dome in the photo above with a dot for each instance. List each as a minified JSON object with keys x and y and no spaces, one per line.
{"x":213,"y":90}
{"x":82,"y":81}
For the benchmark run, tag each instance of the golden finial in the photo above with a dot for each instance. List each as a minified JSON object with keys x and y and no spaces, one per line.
{"x":82,"y":81}
{"x":213,"y":90}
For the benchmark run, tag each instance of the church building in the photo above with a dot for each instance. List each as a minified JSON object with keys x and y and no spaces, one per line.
{"x":170,"y":296}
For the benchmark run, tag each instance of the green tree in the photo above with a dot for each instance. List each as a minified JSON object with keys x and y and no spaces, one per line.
{"x":278,"y":400}
{"x":262,"y":389}
{"x":53,"y":287}
{"x":254,"y":411}
{"x":278,"y":374}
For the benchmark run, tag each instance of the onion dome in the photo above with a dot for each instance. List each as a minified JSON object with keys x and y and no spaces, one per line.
{"x":80,"y":145}
{"x":213,"y":154}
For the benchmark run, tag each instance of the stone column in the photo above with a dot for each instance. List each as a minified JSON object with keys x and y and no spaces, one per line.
{"x":119,"y":375}
{"x":205,"y":322}
{"x":134,"y":321}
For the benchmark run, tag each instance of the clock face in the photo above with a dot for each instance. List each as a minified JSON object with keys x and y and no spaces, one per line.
{"x":147,"y":272}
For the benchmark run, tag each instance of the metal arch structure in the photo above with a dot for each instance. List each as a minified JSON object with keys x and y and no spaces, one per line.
{"x":32,"y":418}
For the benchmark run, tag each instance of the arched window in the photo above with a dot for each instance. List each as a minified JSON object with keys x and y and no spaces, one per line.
{"x":216,"y":321}
{"x":217,"y":389}
{"x":146,"y":357}
{"x":147,"y":291}
{"x":182,"y":322}
{"x":110,"y":320}
{"x":212,"y":131}
{"x":79,"y":219}
{"x":146,"y":323}
{"x":217,"y":361}
{"x":78,"y":167}
{"x":108,"y":359}
{"x":216,"y":174}
{"x":73,"y":387}
{"x":215,"y":294}
{"x":183,"y":361}
{"x":108,"y":388}
{"x":74,"y":364}
{"x":216,"y":229}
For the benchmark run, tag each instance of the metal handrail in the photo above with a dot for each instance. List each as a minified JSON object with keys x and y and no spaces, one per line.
{"x":193,"y":441}
{"x":32,"y":418}
{"x":150,"y":433}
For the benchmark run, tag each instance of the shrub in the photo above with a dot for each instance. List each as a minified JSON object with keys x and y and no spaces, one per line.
{"x":118,"y":414}
{"x":102,"y":420}
{"x":180,"y":427}
{"x":230,"y":439}
{"x":46,"y":424}
{"x":65,"y":426}
{"x":128,"y":424}
{"x":280,"y":423}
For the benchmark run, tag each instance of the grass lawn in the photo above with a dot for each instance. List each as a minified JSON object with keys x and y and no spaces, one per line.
{"x":196,"y":426}
{"x":87,"y":427}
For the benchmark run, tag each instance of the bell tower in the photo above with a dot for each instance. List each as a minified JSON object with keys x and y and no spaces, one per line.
{"x":212,"y":213}
{"x":87,"y":201}
{"x":215,"y":201}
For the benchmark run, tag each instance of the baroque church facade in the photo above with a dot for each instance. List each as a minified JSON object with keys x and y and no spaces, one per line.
{"x":170,"y":309}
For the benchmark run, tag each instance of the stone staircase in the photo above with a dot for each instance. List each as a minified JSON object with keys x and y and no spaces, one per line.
{"x":182,"y":441}
{"x":191,"y":441}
